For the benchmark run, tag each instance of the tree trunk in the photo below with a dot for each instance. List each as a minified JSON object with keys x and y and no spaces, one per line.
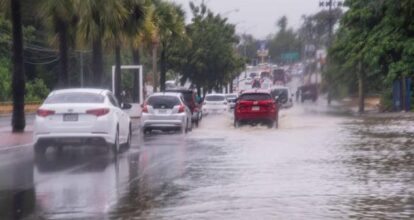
{"x":118,"y":77}
{"x":135,"y":61}
{"x":329,"y":98}
{"x":97,"y":63}
{"x":154,"y":67}
{"x":404,"y":93}
{"x":18,"y":78}
{"x":63,"y":81}
{"x":163,"y":70}
{"x":231,"y":86}
{"x":205,"y":90}
{"x":361,"y":89}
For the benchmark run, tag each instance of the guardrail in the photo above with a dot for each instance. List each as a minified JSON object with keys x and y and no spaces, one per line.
{"x":29,"y":107}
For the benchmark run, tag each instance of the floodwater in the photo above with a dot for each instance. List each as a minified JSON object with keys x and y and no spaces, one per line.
{"x":317,"y":165}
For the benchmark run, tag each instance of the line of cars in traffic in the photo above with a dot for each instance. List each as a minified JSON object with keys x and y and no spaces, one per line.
{"x":94,"y":116}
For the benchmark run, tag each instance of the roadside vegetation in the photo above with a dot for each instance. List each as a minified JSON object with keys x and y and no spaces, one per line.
{"x":47,"y":44}
{"x":373,"y":47}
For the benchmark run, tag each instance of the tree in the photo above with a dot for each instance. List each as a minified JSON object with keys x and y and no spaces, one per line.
{"x":171,"y":26}
{"x":115,"y":33}
{"x":315,"y":28}
{"x":140,"y":26}
{"x":374,"y":45}
{"x":60,"y":16}
{"x":248,"y":47}
{"x":282,"y":23}
{"x":352,"y":48}
{"x":96,"y":20}
{"x":18,"y":78}
{"x":210,"y":53}
{"x":285,"y":41}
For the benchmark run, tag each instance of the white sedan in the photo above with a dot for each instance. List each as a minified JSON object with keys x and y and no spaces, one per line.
{"x":215,"y":104}
{"x":76,"y":116}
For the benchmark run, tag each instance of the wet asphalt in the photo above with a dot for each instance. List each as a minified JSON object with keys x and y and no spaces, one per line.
{"x":317,"y":165}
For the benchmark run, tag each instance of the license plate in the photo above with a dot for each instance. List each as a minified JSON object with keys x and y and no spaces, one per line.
{"x":70,"y":117}
{"x":255,"y":108}
{"x":162,"y":111}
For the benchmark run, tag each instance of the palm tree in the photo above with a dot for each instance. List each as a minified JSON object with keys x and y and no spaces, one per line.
{"x":147,"y":37}
{"x":170,"y":24}
{"x":102,"y":22}
{"x":114,"y":33}
{"x":18,"y":78}
{"x":93,"y":17}
{"x":151,"y":40}
{"x":61,"y":17}
{"x":137,"y":28}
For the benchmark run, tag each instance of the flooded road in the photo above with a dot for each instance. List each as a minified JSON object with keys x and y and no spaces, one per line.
{"x":318,"y":165}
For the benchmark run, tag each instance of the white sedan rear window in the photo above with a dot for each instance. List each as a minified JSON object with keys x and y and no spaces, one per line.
{"x":76,"y":97}
{"x":215,"y":98}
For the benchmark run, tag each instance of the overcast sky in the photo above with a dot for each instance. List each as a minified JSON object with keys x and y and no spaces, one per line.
{"x":258,"y":17}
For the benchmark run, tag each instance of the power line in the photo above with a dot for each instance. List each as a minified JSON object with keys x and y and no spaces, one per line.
{"x":43,"y":63}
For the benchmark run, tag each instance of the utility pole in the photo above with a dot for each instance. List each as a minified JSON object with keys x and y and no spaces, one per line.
{"x":329,"y":45}
{"x":330,"y":4}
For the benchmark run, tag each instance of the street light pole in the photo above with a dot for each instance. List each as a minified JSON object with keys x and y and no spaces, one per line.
{"x":329,"y":45}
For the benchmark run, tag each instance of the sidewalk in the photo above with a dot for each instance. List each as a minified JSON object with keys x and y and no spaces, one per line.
{"x":9,"y":139}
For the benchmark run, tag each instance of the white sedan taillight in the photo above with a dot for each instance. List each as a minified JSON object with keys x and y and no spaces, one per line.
{"x":44,"y":112}
{"x":181,"y":109}
{"x":98,"y":112}
{"x":145,"y":108}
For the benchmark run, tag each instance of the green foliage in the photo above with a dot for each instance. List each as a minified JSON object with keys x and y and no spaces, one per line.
{"x":5,"y":80}
{"x":285,"y":41}
{"x":248,"y":48}
{"x":5,"y":36}
{"x":315,"y":28}
{"x":36,"y":91}
{"x":378,"y":36}
{"x":208,"y":57}
{"x":204,"y":51}
{"x":386,"y":100}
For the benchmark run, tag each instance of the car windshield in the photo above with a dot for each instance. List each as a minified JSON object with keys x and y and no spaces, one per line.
{"x":163,"y":102}
{"x":75,"y":97}
{"x":254,"y":97}
{"x":215,"y":98}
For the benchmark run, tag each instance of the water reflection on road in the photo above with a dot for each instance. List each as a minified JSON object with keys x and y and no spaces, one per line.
{"x":318,"y":165}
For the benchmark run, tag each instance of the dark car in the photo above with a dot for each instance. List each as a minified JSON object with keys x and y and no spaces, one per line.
{"x":309,"y":92}
{"x":283,"y":96}
{"x":190,"y":99}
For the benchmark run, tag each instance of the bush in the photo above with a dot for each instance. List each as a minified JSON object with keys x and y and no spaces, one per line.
{"x":5,"y":80}
{"x":36,"y":91}
{"x":386,"y":104}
